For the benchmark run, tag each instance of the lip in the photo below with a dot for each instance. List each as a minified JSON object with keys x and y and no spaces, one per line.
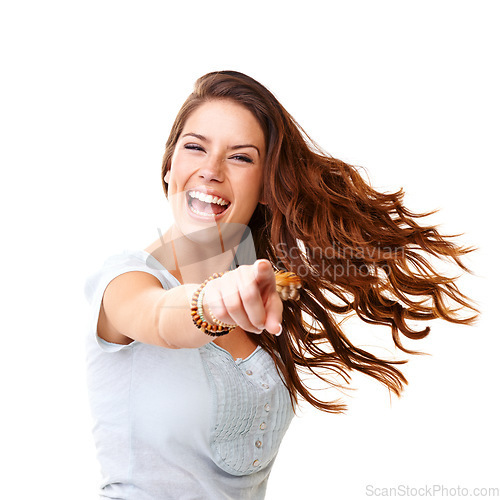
{"x":208,"y":217}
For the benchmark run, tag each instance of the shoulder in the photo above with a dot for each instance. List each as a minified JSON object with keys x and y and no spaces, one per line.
{"x":123,"y":262}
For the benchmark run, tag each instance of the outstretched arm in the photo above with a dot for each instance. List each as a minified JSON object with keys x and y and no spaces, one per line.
{"x":136,"y":307}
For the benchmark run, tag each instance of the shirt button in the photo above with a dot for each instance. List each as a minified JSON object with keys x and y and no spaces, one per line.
{"x":258,"y":443}
{"x":249,"y":372}
{"x":265,"y":386}
{"x":263,"y":425}
{"x":267,"y":407}
{"x":256,"y":463}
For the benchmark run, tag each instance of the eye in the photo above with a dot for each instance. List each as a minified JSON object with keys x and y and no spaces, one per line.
{"x":193,"y":147}
{"x":243,"y":158}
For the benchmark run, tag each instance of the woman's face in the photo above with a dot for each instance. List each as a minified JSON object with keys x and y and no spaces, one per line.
{"x":215,"y":175}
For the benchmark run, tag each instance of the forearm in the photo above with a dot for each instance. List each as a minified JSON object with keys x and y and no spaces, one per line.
{"x":172,"y":317}
{"x":136,"y":307}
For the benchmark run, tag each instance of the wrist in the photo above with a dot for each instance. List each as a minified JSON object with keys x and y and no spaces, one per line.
{"x":199,"y":313}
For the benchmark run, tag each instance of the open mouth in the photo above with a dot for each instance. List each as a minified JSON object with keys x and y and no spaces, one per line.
{"x":206,"y":205}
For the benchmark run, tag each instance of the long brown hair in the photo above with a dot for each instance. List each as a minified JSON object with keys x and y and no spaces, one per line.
{"x":355,"y":249}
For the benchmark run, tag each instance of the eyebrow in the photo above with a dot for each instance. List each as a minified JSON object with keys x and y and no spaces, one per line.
{"x":232,"y":148}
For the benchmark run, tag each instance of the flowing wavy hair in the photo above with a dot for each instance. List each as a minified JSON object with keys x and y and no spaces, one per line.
{"x":355,"y":249}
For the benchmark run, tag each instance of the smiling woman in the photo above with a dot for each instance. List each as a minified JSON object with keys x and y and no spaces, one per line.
{"x":194,"y":351}
{"x":218,"y":154}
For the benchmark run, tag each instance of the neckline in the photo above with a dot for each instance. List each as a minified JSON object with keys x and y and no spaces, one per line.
{"x":237,"y":360}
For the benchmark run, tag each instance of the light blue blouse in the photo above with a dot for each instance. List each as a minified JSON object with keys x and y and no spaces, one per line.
{"x":180,"y":423}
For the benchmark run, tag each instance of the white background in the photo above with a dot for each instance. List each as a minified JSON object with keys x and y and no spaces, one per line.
{"x":408,"y":90}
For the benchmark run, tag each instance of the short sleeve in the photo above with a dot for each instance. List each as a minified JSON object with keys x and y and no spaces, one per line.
{"x":112,"y":267}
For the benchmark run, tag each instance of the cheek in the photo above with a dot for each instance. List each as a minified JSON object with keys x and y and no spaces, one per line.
{"x":252,"y":188}
{"x":256,"y":183}
{"x":175,"y":175}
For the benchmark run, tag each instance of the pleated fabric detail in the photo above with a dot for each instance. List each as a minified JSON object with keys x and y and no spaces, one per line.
{"x":251,"y":409}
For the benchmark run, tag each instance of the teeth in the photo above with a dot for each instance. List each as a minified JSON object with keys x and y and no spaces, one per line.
{"x":208,"y":198}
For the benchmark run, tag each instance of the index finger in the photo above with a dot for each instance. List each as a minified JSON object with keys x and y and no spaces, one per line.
{"x":266,"y":281}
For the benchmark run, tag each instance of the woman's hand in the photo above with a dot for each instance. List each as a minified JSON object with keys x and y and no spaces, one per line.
{"x":246,"y":297}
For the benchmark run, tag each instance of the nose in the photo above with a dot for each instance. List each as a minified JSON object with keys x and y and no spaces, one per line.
{"x":212,"y":169}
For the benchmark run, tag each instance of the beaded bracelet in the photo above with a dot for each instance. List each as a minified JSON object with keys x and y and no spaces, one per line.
{"x":217,"y":321}
{"x":199,"y":320}
{"x":287,"y":285}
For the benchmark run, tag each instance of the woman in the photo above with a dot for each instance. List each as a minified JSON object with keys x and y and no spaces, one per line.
{"x":193,"y":376}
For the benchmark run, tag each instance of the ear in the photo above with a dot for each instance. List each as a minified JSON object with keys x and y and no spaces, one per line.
{"x":261,"y":199}
{"x":167,"y":177}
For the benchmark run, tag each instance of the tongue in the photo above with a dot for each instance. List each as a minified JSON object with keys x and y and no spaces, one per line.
{"x":208,"y":208}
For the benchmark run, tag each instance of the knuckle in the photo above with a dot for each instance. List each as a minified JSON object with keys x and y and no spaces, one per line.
{"x":231,"y":304}
{"x":250,"y":293}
